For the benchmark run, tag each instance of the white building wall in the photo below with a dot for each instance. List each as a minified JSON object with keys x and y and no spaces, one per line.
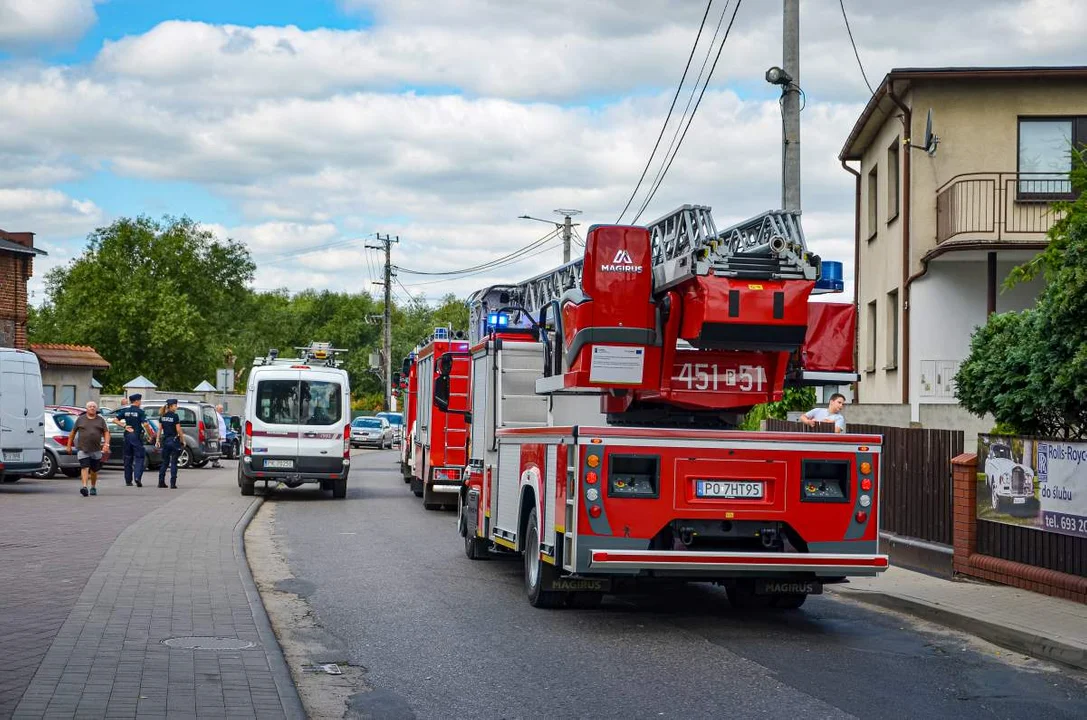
{"x":948,"y":304}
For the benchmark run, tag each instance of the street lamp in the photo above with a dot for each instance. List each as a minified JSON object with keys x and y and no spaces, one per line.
{"x":777,"y":76}
{"x":566,"y":226}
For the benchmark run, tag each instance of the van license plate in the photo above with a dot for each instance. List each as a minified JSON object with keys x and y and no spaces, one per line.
{"x":728,"y":489}
{"x":13,"y":455}
{"x":279,"y":464}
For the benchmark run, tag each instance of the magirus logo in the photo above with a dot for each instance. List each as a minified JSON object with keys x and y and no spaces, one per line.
{"x":623,"y":262}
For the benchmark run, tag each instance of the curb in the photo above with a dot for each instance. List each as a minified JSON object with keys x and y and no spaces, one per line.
{"x":1012,"y":638}
{"x":288,"y":693}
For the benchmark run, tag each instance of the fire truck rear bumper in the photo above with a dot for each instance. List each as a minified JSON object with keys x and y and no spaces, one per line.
{"x":730,"y":563}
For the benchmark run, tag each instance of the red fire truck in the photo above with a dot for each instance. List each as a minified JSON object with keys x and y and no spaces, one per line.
{"x":604,"y":400}
{"x":438,"y":435}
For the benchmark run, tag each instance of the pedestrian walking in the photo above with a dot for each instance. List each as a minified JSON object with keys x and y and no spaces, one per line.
{"x":91,"y":437}
{"x":832,"y":413}
{"x":222,"y":433}
{"x":171,"y":439}
{"x":134,"y":419}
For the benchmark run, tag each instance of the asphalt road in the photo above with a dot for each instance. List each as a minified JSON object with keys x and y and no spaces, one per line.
{"x":441,"y":636}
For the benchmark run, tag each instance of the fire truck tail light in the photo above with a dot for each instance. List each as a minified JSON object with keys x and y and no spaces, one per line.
{"x":866,"y":484}
{"x":591,"y":477}
{"x":594,"y":511}
{"x":593,"y":461}
{"x":861,"y":517}
{"x":866,"y":468}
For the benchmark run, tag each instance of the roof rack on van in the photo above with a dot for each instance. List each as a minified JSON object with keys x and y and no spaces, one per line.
{"x":316,"y":353}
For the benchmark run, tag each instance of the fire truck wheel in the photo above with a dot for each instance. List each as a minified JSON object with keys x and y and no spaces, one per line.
{"x":791,"y":601}
{"x":538,"y":574}
{"x":474,"y":547}
{"x":417,"y":486}
{"x":742,"y":597}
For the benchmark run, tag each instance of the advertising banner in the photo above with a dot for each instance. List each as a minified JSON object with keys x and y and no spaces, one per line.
{"x":1033,"y":483}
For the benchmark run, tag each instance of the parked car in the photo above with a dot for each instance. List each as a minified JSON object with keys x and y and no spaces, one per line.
{"x":232,"y":443}
{"x":397,"y":421}
{"x":371,"y":431}
{"x":1011,"y":484}
{"x":55,"y":458}
{"x":22,"y":410}
{"x":201,"y":428}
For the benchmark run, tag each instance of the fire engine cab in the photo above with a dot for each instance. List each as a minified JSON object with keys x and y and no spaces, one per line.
{"x":604,"y":397}
{"x":438,"y":435}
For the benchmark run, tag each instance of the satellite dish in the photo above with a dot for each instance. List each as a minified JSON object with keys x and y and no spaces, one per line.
{"x":931,"y":139}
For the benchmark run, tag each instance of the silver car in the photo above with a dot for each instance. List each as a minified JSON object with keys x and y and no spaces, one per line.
{"x":374,"y":431}
{"x":56,"y":457}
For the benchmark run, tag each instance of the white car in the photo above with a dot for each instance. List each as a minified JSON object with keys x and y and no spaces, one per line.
{"x":1011,"y":484}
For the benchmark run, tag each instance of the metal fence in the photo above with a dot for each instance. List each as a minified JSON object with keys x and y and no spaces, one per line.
{"x":916,"y":477}
{"x":999,"y":206}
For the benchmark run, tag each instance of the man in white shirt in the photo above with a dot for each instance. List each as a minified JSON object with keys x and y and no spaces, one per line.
{"x":832,"y":413}
{"x":222,"y":431}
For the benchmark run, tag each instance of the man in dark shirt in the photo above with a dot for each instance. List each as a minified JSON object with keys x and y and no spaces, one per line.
{"x":134,"y":419}
{"x":92,"y":439}
{"x":171,"y":440}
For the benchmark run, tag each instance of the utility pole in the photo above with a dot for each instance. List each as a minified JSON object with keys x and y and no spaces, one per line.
{"x":387,"y":343}
{"x":790,"y":107}
{"x":567,"y":232}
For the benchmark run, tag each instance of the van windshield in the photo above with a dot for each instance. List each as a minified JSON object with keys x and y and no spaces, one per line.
{"x":290,"y":402}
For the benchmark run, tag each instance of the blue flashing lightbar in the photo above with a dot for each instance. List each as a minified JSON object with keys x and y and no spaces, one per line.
{"x":830,"y":280}
{"x":498,"y":320}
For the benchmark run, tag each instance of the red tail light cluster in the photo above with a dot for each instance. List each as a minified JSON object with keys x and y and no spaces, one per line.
{"x":347,"y":441}
{"x":248,"y":438}
{"x":62,"y":439}
{"x":201,"y":432}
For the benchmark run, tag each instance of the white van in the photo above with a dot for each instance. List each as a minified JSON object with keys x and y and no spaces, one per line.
{"x":297,"y":423}
{"x":22,"y":414}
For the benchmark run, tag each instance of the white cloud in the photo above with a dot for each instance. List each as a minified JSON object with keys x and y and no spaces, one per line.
{"x":49,"y":213}
{"x":24,"y":24}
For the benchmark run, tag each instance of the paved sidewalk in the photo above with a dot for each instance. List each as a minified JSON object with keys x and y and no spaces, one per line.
{"x":177,"y":572}
{"x":1039,"y":625}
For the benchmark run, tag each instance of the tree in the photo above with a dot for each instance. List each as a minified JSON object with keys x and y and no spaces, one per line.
{"x":152,"y":297}
{"x":1029,"y":369}
{"x":792,"y":398}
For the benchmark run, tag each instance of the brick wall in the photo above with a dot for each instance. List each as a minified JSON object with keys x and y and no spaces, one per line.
{"x":969,"y":562}
{"x":14,"y":272}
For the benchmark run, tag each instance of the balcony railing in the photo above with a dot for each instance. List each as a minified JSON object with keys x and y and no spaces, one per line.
{"x":999,"y":205}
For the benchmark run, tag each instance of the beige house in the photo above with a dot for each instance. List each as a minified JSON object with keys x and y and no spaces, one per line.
{"x":68,"y":373}
{"x":940,"y":226}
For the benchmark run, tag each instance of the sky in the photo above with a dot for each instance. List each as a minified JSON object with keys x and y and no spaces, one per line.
{"x":304,"y":127}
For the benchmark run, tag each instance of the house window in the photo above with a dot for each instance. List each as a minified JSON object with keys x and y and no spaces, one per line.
{"x":1045,"y":155}
{"x":49,"y":392}
{"x":872,"y":190}
{"x":870,"y":361}
{"x":892,"y":181}
{"x":67,"y":394}
{"x":892,"y":330}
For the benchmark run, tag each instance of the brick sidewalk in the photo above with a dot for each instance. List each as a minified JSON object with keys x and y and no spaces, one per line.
{"x":177,"y":571}
{"x":1045,"y":627}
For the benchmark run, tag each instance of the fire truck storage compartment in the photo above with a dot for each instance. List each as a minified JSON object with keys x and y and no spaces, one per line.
{"x":828,"y":344}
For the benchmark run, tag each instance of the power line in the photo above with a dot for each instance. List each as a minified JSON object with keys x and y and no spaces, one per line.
{"x":490,"y":263}
{"x":668,"y":117}
{"x":713,"y":67}
{"x":854,"y":44}
{"x":690,"y":98}
{"x":540,"y":251}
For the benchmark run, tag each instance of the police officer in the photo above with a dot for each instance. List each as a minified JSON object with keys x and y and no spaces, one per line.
{"x":170,"y":440}
{"x":134,"y":420}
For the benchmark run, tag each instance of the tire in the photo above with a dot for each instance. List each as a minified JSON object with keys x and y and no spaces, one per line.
{"x":994,"y":499}
{"x":790,"y":601}
{"x":537,"y":572}
{"x":416,"y":487}
{"x":201,"y":464}
{"x":248,"y":485}
{"x":49,"y":466}
{"x":339,"y":489}
{"x":184,"y":458}
{"x":475,"y":547}
{"x":743,"y":597}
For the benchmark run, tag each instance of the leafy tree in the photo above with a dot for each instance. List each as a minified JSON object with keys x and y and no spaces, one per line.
{"x":150,"y":296}
{"x":793,"y":398}
{"x":1029,"y":369}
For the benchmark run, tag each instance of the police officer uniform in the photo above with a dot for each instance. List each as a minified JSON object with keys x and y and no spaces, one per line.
{"x":133,"y":418}
{"x":170,"y":424}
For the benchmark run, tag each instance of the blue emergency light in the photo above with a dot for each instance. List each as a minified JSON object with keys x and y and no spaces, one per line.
{"x":498,"y":320}
{"x":831,"y":280}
